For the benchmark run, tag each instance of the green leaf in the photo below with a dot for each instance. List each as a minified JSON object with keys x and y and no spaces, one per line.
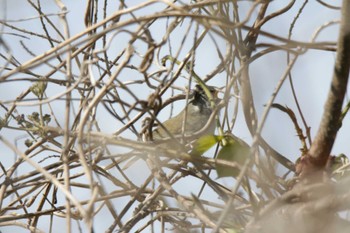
{"x":204,"y":143}
{"x":235,"y":150}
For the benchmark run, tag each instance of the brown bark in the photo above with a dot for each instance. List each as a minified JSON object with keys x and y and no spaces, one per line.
{"x":321,"y":148}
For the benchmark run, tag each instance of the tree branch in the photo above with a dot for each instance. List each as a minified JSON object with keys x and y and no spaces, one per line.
{"x":325,"y":137}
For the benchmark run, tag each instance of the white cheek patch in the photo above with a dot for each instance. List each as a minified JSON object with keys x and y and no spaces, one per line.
{"x":196,"y":108}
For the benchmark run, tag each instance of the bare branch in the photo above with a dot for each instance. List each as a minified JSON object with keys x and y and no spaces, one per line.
{"x":322,"y":145}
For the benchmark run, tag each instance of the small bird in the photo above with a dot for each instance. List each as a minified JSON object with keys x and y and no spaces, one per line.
{"x":199,"y":111}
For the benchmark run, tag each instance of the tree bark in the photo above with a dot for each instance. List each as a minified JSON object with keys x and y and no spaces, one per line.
{"x":321,"y":147}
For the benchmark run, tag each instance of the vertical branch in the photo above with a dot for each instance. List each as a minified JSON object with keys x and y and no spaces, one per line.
{"x":65,"y":146}
{"x":246,"y":90}
{"x":325,"y":137}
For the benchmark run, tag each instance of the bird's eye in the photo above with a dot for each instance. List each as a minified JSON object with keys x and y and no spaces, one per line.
{"x":214,"y":93}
